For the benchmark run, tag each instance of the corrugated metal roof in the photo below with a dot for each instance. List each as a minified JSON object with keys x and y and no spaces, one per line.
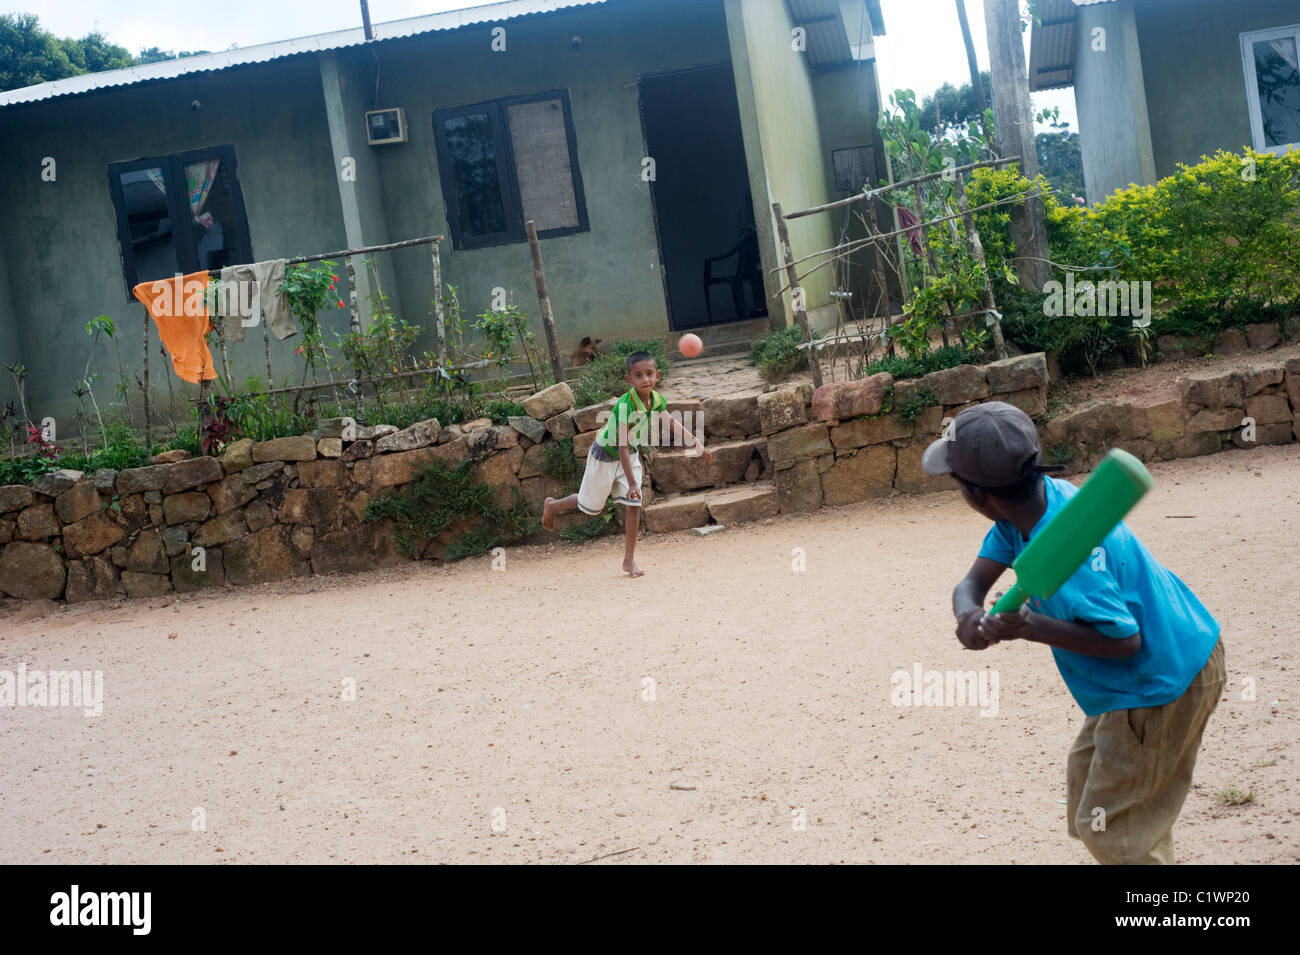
{"x":827,"y":35}
{"x":1051,"y":46}
{"x":266,"y":52}
{"x":803,"y":10}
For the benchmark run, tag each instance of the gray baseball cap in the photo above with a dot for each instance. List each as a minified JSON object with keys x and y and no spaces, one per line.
{"x":993,"y":444}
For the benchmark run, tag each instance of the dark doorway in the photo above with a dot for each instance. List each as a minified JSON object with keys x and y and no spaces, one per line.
{"x":707,"y":244}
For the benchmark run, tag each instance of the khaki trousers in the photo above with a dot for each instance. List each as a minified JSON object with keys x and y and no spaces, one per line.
{"x":1129,"y":772}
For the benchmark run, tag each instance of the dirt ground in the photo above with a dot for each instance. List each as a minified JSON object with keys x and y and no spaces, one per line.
{"x":517,"y":699}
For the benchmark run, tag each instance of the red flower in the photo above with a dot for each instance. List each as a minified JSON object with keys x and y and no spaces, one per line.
{"x":298,"y":350}
{"x":341,"y":305}
{"x":334,"y":277}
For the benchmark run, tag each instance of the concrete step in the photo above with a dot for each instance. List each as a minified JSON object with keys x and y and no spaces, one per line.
{"x":733,"y":504}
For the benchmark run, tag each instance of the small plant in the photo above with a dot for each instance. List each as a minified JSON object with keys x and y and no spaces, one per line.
{"x":559,"y":461}
{"x":102,"y":325}
{"x":915,"y":405}
{"x":1060,"y":454}
{"x":1143,"y":337}
{"x":1232,"y":796}
{"x":437,"y":499}
{"x":308,"y":289}
{"x":216,"y":428}
{"x":587,"y":530}
{"x":255,"y":416}
{"x":500,"y":409}
{"x":779,"y":355}
{"x":604,"y":378}
{"x":18,"y":372}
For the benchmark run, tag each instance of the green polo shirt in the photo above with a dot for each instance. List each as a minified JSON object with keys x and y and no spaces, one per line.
{"x":630,"y":418}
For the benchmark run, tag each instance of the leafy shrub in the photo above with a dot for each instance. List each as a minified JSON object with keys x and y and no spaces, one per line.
{"x":908,"y":366}
{"x":911,"y":409}
{"x":559,"y":461}
{"x":25,"y":470}
{"x":499,"y":409}
{"x":263,"y":417}
{"x":588,"y":530}
{"x":604,"y":378}
{"x":1219,"y":242}
{"x":437,"y":498}
{"x":779,"y":355}
{"x":122,"y":451}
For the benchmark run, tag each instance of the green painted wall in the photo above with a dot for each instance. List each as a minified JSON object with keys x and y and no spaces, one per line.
{"x":605,"y":282}
{"x":61,"y":249}
{"x":10,"y":347}
{"x":1195,"y":84}
{"x":783,"y":141}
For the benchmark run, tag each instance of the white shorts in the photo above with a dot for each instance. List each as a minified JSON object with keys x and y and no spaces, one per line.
{"x":605,"y":480}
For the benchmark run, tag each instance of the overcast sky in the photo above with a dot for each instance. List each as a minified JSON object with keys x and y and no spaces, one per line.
{"x":921,"y":49}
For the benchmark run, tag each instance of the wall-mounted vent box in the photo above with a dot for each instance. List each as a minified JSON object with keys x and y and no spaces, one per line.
{"x":384,"y":126}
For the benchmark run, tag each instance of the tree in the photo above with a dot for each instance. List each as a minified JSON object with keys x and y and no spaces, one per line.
{"x":982,"y":97}
{"x":153,"y":55}
{"x":30,"y":55}
{"x":1061,"y":161}
{"x":953,"y":107}
{"x":93,"y":54}
{"x":1014,"y":123}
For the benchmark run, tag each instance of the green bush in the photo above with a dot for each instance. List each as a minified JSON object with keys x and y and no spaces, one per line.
{"x":587,"y":530}
{"x":779,"y":355}
{"x":604,"y":378}
{"x":911,"y":409}
{"x":499,"y":409}
{"x":908,"y":366}
{"x":437,"y":498}
{"x":559,"y":462}
{"x":1218,"y":241}
{"x":121,"y":452}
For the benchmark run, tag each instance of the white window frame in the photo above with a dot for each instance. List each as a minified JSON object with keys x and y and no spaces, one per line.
{"x":1252,"y":87}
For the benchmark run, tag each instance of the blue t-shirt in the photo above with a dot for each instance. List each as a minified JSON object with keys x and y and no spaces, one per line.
{"x":1120,"y":590}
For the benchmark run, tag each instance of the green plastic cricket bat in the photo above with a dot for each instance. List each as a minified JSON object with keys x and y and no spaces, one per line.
{"x":1069,"y":538}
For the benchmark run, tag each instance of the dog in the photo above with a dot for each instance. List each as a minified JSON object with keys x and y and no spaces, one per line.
{"x":586,"y":352}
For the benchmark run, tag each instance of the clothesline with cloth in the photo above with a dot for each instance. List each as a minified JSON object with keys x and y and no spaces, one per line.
{"x":182,"y":306}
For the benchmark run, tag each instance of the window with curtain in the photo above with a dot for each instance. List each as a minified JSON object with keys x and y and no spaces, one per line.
{"x":1271,"y":59}
{"x":508,"y":161}
{"x":180,"y":213}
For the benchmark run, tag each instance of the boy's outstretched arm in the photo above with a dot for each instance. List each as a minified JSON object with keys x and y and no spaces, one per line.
{"x":677,"y":428}
{"x":968,"y":601}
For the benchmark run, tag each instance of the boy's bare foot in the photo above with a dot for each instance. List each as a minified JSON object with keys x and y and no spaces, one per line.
{"x":631,"y":569}
{"x":548,"y":514}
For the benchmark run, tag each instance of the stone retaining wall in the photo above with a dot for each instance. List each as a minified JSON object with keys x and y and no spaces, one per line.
{"x":295,"y":506}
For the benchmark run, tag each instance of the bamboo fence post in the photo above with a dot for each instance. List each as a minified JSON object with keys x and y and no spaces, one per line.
{"x":800,"y":315}
{"x":354,"y":324}
{"x":977,"y":253}
{"x":544,"y":299}
{"x":148,"y":422}
{"x":438,"y":310}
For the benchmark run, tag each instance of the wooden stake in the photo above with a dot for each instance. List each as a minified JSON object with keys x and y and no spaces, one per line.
{"x":354,"y":323}
{"x":800,"y":315}
{"x":148,"y":422}
{"x":977,"y":253}
{"x":539,"y":279}
{"x":438,"y":310}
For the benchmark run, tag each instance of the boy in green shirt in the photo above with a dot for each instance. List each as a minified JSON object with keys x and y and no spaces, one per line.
{"x":613,"y":463}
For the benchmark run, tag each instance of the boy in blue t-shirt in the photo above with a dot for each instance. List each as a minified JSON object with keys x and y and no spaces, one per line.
{"x":1138,"y":651}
